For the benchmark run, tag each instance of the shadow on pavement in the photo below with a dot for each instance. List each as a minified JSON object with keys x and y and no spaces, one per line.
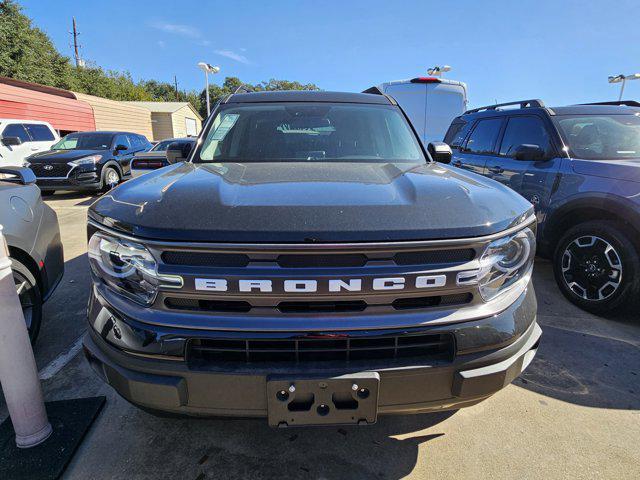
{"x":583,"y":359}
{"x":237,"y":448}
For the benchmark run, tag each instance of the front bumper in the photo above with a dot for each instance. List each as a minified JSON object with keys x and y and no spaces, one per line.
{"x":490,"y":354}
{"x":77,"y":179}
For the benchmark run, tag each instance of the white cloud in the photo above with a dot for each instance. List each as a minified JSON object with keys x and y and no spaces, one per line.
{"x":233,"y":56}
{"x":178,"y":29}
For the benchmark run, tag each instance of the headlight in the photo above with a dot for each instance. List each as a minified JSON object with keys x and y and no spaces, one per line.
{"x":90,"y":160}
{"x":505,"y":262}
{"x":128,"y":268}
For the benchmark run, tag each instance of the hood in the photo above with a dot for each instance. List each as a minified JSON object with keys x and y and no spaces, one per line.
{"x":628,"y":169}
{"x":309,"y":202}
{"x":63,"y":156}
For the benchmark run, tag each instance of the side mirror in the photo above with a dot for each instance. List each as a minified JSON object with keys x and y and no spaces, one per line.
{"x":440,"y":152}
{"x":22,"y":175}
{"x":120,"y":148}
{"x":528,"y":152}
{"x":178,"y":152}
{"x":11,"y":141}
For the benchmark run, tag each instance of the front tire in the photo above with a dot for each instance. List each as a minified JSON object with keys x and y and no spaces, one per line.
{"x":30,"y":297}
{"x":596,"y":266}
{"x":110,"y":178}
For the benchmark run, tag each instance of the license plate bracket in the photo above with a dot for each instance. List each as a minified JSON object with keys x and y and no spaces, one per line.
{"x":342,"y":400}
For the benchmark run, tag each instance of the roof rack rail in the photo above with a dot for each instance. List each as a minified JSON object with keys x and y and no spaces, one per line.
{"x":375,"y":90}
{"x":625,"y":103}
{"x":244,"y":89}
{"x":521,"y":103}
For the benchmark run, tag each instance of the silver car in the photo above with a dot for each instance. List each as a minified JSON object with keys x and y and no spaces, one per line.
{"x":33,"y":236}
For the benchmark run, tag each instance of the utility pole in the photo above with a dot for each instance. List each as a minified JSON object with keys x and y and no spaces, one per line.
{"x":175,"y":82}
{"x":76,"y":47}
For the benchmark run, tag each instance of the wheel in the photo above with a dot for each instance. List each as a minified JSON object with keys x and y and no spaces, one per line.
{"x":30,"y":297}
{"x":596,"y":266}
{"x":111,"y":178}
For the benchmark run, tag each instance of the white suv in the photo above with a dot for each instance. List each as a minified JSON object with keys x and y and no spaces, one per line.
{"x":21,"y":138}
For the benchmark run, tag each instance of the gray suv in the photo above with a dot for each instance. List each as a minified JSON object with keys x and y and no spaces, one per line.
{"x":311,"y":264}
{"x":33,"y":237}
{"x":580,"y":166}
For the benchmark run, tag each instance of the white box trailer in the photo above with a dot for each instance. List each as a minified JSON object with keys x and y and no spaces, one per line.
{"x":431,"y":103}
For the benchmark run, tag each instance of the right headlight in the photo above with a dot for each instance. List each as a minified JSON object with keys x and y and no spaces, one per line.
{"x":506,"y":261}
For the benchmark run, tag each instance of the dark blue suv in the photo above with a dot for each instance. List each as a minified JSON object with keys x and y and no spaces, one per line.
{"x":580,"y":167}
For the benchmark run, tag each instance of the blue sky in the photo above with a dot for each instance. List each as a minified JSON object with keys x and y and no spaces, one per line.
{"x":560,"y":51}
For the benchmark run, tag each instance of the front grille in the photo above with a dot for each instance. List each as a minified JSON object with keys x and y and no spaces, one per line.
{"x":57,"y":169}
{"x":312,"y":307}
{"x":338,"y":347}
{"x":314,"y":260}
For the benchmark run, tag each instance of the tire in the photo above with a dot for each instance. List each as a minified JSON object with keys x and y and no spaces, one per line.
{"x":109,"y":176}
{"x":30,"y":297}
{"x":596,"y":266}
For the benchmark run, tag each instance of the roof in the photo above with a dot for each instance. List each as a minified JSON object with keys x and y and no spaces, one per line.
{"x":37,"y":87}
{"x":307,"y":96}
{"x":555,"y":111}
{"x":165,"y":107}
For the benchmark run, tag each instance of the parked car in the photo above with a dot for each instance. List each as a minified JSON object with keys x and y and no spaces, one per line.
{"x":33,"y":236}
{"x":431,"y":103}
{"x":87,"y":161}
{"x":310,"y":264}
{"x":580,"y":167}
{"x":21,"y":138}
{"x":145,"y":162}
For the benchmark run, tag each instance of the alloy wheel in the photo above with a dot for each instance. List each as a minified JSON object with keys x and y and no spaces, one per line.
{"x":112,"y":178}
{"x":591,"y":268}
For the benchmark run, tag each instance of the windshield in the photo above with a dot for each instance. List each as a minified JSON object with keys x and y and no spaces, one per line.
{"x":162,"y":146}
{"x":602,"y":137}
{"x":322,"y":132}
{"x":84,"y":141}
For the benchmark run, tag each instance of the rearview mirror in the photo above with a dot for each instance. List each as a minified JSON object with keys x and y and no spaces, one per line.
{"x":178,"y":152}
{"x":11,"y":141}
{"x":528,"y":152}
{"x":440,"y":152}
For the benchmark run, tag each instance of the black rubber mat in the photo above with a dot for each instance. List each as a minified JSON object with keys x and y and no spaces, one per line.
{"x":70,"y":420}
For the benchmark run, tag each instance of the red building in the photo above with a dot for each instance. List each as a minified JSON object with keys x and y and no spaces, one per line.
{"x":30,"y":101}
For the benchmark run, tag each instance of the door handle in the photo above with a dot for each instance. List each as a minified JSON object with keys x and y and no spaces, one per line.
{"x":33,"y":149}
{"x":496,"y":169}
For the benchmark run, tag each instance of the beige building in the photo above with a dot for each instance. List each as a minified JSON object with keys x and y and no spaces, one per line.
{"x":171,"y":119}
{"x":119,"y":116}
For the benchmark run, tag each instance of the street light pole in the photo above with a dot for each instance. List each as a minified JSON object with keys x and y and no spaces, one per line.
{"x":207,"y":69}
{"x":623,"y":80}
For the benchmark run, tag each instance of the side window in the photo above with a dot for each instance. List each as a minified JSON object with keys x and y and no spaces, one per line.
{"x":121,"y":140}
{"x":525,"y":130}
{"x":135,"y":142}
{"x":483,"y":137}
{"x":456,"y":134}
{"x":39,"y":132}
{"x":16,"y":130}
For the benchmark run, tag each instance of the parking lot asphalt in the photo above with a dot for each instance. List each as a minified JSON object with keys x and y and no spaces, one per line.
{"x":575,"y":413}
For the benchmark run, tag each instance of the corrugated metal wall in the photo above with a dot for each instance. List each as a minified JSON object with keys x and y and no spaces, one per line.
{"x":66,"y":114}
{"x":113,"y":115}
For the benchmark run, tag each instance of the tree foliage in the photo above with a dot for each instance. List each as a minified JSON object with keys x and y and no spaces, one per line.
{"x":27,"y":53}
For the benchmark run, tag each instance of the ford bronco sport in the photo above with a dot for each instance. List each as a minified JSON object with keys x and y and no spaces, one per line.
{"x":310,"y":264}
{"x":580,"y":167}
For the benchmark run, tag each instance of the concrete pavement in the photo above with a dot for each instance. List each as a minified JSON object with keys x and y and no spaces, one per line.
{"x":575,"y":413}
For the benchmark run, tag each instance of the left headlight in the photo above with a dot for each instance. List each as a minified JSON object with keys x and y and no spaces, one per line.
{"x":89,"y":160}
{"x":506,"y":261}
{"x":128,"y":268}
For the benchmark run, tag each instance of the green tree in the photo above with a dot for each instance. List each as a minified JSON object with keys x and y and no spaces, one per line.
{"x":27,"y":53}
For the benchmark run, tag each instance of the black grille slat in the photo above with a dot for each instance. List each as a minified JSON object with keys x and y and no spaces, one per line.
{"x":322,"y":261}
{"x":434,"y":346}
{"x":434,"y":257}
{"x":205,"y":259}
{"x":57,"y":169}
